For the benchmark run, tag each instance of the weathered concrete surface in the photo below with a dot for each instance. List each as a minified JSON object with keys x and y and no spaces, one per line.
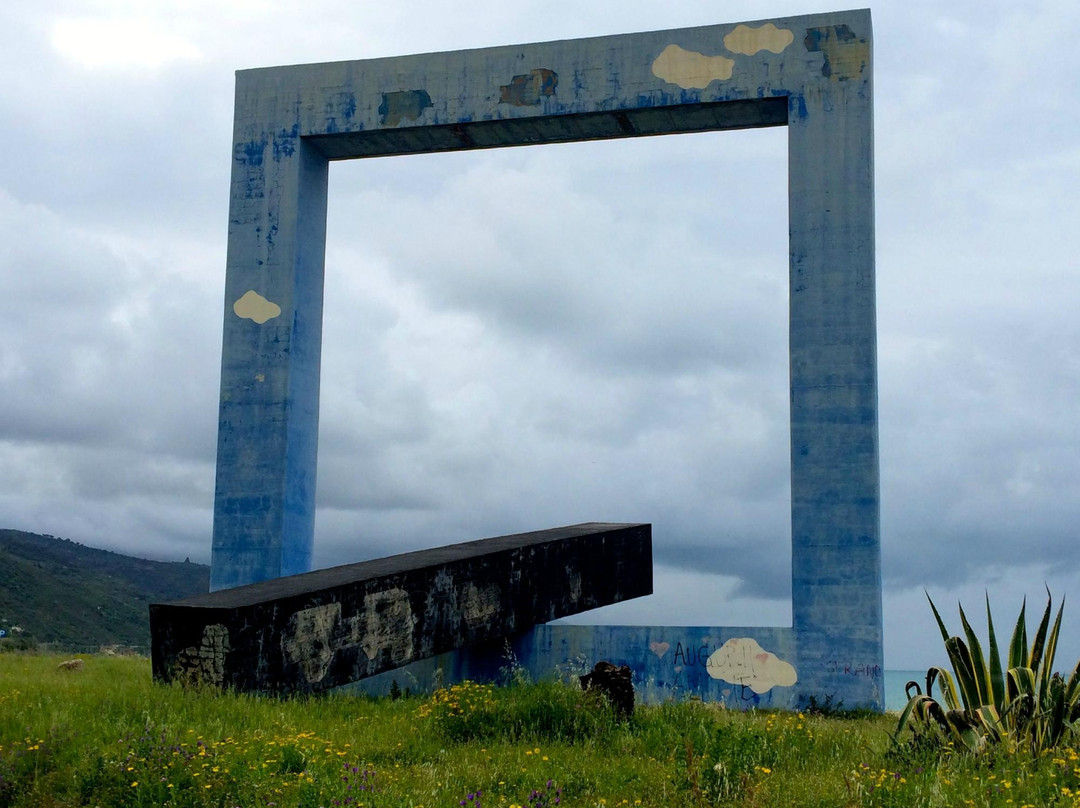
{"x":812,"y":73}
{"x":743,"y":667}
{"x":322,"y":629}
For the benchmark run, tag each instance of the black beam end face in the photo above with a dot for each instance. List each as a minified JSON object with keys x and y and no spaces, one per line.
{"x":311,"y":632}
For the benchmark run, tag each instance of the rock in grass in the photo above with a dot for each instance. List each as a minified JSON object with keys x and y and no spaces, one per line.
{"x":615,"y":683}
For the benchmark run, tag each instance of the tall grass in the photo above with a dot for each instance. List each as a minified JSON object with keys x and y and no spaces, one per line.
{"x":106,"y":736}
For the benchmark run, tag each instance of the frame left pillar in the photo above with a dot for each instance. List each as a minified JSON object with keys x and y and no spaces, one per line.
{"x":268,"y":423}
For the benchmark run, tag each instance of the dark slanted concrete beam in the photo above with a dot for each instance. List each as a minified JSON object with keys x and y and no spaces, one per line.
{"x":310,"y":632}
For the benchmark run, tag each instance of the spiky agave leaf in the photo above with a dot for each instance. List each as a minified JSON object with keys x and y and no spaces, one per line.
{"x":1048,"y":655}
{"x":940,"y":622}
{"x":997,"y":677}
{"x":980,"y":670}
{"x":1056,"y":709}
{"x":922,"y":710}
{"x":964,"y":667}
{"x":1016,"y":708}
{"x":966,"y":729}
{"x":1021,"y":681}
{"x":1072,"y":694}
{"x":949,"y":693}
{"x":990,"y":723}
{"x":1023,"y":701}
{"x":926,"y":713}
{"x":1018,"y":650}
{"x":1035,"y":658}
{"x":907,"y":689}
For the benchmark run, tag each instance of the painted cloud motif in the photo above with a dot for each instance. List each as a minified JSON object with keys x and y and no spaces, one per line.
{"x":746,"y":40}
{"x":689,"y":69}
{"x":742,"y":661}
{"x":253,"y":306}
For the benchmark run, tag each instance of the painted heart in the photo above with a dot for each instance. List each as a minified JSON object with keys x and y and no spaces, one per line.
{"x":659,"y":648}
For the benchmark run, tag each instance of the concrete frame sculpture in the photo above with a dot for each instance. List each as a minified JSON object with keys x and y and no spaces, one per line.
{"x":812,"y":73}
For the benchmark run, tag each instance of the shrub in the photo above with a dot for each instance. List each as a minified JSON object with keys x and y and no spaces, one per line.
{"x":540,"y":712}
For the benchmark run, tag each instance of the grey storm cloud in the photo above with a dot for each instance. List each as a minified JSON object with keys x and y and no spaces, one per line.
{"x":531,"y":337}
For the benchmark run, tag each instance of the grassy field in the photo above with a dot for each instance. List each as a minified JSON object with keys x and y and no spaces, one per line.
{"x":106,"y":736}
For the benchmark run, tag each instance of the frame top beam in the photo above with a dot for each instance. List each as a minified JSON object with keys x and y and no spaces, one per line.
{"x":547,"y":92}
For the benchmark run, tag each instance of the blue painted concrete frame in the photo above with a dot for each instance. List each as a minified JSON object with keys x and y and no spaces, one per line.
{"x":812,"y":73}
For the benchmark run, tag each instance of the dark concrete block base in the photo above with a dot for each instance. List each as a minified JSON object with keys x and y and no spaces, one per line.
{"x":318,"y":630}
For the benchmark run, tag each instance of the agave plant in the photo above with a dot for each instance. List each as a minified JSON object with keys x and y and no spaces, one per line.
{"x":1023,"y":703}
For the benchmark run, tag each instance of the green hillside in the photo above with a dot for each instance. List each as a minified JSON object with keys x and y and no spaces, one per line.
{"x":61,"y":592}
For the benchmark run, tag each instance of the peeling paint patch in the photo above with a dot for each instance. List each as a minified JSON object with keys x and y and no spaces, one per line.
{"x":689,"y":69}
{"x":388,"y":624}
{"x":749,"y":41}
{"x":253,"y":306}
{"x":846,"y":55}
{"x":659,"y":648}
{"x":306,"y":640}
{"x":742,"y":661}
{"x":479,"y":606}
{"x":441,"y":602}
{"x":205,"y":663}
{"x":407,"y":105}
{"x":573,"y":577}
{"x":528,"y":89}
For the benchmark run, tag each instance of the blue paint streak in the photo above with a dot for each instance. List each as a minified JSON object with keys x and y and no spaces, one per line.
{"x":251,"y":153}
{"x":285,"y":142}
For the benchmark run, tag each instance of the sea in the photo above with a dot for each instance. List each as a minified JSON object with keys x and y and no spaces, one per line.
{"x":895,"y":699}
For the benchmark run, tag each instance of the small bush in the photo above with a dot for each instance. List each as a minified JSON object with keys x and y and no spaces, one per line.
{"x":541,"y":712}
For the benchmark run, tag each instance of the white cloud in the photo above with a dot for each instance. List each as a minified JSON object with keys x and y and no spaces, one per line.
{"x":130,"y":44}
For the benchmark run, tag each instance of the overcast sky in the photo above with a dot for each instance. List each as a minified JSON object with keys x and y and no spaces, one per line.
{"x":527,"y":338}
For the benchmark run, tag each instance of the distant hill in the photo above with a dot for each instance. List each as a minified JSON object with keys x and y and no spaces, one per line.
{"x":61,"y":592}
